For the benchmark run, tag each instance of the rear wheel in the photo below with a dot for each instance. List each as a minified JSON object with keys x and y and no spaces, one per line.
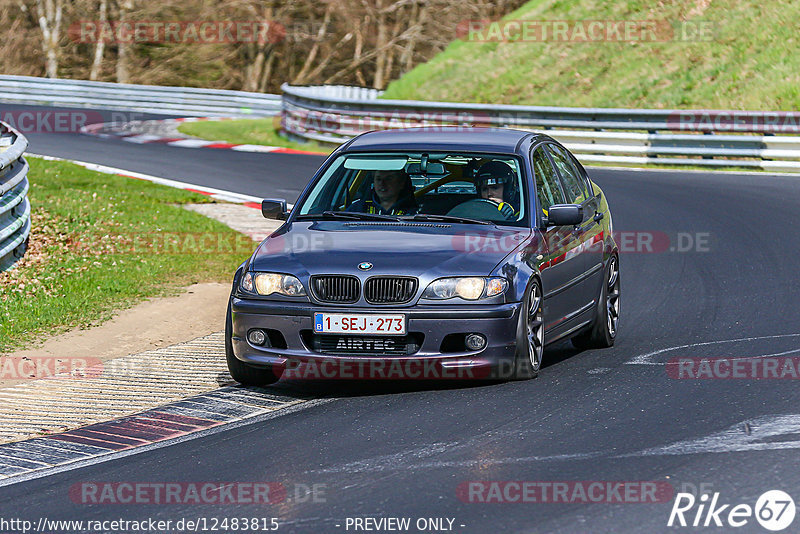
{"x":530,"y":334}
{"x":248,"y":375}
{"x":604,"y":329}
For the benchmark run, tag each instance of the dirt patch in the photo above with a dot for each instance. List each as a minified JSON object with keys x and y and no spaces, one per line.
{"x":241,"y":218}
{"x":156,"y":323}
{"x":197,"y":311}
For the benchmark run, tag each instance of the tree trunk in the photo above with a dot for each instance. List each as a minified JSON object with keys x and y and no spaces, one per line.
{"x":254,"y":71}
{"x":49,"y":12}
{"x":123,"y":48}
{"x":380,"y":46}
{"x":266,"y":76}
{"x":387,"y":71}
{"x":100,"y":46}
{"x":312,"y":55}
{"x":418,"y":16}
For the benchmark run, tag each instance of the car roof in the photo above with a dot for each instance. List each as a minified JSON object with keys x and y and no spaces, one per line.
{"x":444,"y":138}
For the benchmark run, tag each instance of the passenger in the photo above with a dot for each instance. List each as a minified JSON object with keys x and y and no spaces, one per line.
{"x":392,"y":193}
{"x":496,"y":181}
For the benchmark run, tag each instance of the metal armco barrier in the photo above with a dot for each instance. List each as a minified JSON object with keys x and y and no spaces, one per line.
{"x":182,"y":101}
{"x":15,"y":210}
{"x":706,"y":138}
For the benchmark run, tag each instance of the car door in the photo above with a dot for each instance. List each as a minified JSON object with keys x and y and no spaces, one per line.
{"x":562,"y":269}
{"x":593,"y":227}
{"x":589,"y":234}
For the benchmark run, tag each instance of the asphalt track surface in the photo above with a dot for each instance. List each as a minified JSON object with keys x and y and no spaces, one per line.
{"x":402,"y":450}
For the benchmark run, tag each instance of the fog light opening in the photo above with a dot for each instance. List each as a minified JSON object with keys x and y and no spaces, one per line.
{"x":257,"y":337}
{"x":475,"y":341}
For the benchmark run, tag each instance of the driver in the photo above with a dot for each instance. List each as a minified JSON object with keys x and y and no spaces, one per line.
{"x":392,"y":193}
{"x":495,"y":181}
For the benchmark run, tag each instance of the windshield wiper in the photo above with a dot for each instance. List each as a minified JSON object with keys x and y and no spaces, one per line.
{"x":354,"y":215}
{"x":447,"y":218}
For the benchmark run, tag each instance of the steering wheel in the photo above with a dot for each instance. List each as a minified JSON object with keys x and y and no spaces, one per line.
{"x":479,"y":208}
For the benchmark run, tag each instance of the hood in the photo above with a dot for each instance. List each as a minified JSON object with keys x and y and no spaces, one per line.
{"x":420,"y":249}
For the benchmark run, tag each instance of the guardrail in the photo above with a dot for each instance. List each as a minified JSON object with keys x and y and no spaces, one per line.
{"x":705,"y":138}
{"x":15,"y":210}
{"x":183,"y":101}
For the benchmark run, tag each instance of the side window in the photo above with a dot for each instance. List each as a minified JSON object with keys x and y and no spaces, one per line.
{"x":574,"y":184}
{"x":582,"y":173}
{"x":547,"y":188}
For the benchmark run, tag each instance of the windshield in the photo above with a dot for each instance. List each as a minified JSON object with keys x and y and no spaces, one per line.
{"x":469,"y":188}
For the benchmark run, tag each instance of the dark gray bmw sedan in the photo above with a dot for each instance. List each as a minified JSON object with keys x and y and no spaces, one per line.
{"x":428,"y":253}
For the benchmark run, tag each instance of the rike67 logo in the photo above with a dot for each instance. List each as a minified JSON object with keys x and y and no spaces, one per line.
{"x":774,"y":510}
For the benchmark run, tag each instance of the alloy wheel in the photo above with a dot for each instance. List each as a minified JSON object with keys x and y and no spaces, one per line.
{"x":612,"y":297}
{"x":535,"y":322}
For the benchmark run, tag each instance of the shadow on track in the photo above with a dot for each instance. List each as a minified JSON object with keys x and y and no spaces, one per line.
{"x":310,"y":388}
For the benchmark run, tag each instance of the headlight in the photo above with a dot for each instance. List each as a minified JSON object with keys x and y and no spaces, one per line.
{"x":468,"y":288}
{"x":269,"y":283}
{"x":247,"y":282}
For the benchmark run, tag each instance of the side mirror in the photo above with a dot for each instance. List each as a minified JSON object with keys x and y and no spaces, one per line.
{"x":273,"y":208}
{"x":564,"y":215}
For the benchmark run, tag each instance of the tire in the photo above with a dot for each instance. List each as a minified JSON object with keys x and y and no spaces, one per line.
{"x":605,"y":326}
{"x":247,"y":375}
{"x":530,"y":334}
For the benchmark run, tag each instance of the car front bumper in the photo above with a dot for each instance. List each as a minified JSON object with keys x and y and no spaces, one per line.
{"x":497,"y":322}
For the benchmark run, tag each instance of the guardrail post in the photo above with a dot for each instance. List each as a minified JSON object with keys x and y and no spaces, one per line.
{"x":15,"y":209}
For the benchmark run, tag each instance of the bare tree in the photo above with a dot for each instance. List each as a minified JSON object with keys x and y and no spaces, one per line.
{"x":100,"y":46}
{"x":259,"y":55}
{"x":302,"y":76}
{"x":361,"y":42}
{"x":123,"y":48}
{"x":48,"y":15}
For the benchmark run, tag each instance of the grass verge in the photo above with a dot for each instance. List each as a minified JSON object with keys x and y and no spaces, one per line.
{"x":246,"y":132}
{"x":745,"y":57}
{"x":100,"y":243}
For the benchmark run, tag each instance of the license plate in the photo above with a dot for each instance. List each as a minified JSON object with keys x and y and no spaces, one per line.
{"x":354,"y":323}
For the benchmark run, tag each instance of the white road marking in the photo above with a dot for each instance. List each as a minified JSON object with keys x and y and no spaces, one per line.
{"x":401,"y":462}
{"x":144,"y":138}
{"x":647,"y":359}
{"x":763,"y":433}
{"x":190,"y":143}
{"x":255,"y":148}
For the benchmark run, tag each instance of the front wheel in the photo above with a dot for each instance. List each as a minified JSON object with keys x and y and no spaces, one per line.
{"x":530,"y":334}
{"x":247,"y":375}
{"x":603,"y":332}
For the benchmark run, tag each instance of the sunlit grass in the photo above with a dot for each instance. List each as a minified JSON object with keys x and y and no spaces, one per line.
{"x":100,"y":243}
{"x":246,"y":131}
{"x":750,"y":61}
